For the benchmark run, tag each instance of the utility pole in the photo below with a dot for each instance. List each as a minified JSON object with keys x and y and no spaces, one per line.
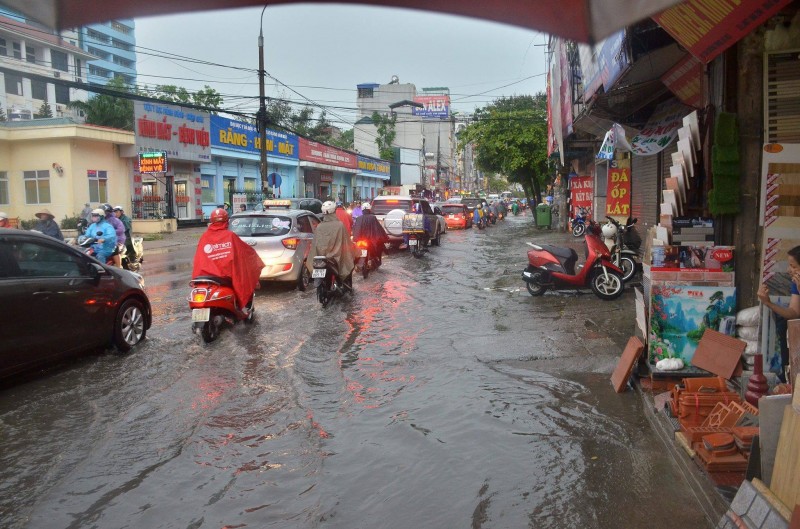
{"x":438,"y":151}
{"x":261,"y":116}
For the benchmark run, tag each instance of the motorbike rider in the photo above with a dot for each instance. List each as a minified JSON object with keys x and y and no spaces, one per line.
{"x":119,"y":228}
{"x":222,"y":254}
{"x":126,"y":221}
{"x":345,"y":217}
{"x":368,"y":227}
{"x":104,"y":234}
{"x":332,"y":240}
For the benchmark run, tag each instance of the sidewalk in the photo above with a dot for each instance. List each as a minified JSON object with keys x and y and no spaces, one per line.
{"x":161,"y":242}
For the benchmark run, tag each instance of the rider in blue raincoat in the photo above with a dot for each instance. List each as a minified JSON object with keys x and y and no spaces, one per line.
{"x":104,"y":234}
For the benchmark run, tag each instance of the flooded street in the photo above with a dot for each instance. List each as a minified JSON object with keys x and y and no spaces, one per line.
{"x":442,"y":395}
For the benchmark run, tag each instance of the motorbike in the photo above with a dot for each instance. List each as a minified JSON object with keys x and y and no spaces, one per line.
{"x":367,"y":261}
{"x":579,"y":222}
{"x":327,"y":280}
{"x":213,"y":305}
{"x":621,"y":255}
{"x":554,"y":267}
{"x":133,"y":262}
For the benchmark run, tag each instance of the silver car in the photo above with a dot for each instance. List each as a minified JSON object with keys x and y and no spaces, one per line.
{"x":282,"y":238}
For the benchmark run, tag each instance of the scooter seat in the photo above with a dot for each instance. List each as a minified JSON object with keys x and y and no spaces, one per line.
{"x":566,"y":256}
{"x":224,"y":281}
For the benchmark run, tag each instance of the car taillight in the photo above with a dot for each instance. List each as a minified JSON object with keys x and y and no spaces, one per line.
{"x":361,"y":244}
{"x":290,"y":243}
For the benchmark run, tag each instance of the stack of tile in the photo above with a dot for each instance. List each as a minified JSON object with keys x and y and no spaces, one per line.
{"x":693,"y":402}
{"x":718,"y":453}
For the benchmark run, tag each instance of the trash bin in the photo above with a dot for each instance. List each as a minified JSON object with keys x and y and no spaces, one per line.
{"x":544,"y":216}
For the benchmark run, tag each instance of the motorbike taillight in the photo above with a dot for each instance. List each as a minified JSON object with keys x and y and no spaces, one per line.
{"x":361,"y":243}
{"x":199,"y":295}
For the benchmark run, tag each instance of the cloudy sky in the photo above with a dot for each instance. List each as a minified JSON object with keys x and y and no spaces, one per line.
{"x":320,"y":53}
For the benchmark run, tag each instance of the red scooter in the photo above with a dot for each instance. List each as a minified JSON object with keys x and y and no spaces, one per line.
{"x":554,"y":267}
{"x":213,"y":305}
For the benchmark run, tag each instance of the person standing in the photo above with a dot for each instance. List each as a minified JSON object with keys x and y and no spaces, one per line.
{"x":126,"y":221}
{"x":47,"y":224}
{"x":86,"y":213}
{"x":785,"y":313}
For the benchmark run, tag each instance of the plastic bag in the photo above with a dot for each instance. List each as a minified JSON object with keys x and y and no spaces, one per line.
{"x":669,"y":364}
{"x":749,"y":317}
{"x":752,"y":348}
{"x":748,"y":334}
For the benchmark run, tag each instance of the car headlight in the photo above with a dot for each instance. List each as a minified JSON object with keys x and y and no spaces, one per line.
{"x":139,"y":278}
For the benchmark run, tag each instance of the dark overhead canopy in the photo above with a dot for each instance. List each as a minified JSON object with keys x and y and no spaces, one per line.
{"x":579,"y":20}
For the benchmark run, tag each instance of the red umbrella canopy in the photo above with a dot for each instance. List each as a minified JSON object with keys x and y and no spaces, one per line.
{"x":579,"y":20}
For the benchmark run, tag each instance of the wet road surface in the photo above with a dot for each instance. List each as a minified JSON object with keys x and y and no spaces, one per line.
{"x":441,"y":395}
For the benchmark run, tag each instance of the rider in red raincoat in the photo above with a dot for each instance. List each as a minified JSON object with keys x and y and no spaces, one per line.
{"x":221,"y":253}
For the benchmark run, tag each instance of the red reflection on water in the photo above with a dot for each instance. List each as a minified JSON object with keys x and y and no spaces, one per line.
{"x":314,"y":424}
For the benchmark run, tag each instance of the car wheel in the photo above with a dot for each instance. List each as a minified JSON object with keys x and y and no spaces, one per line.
{"x":436,"y":241}
{"x":304,"y":280}
{"x":129,"y":325}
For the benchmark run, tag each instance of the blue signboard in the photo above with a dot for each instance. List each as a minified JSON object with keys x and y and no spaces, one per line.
{"x":374,"y":167}
{"x":603,"y":63}
{"x":229,"y":133}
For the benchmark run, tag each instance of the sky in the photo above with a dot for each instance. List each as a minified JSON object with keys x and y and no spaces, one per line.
{"x":321,"y":52}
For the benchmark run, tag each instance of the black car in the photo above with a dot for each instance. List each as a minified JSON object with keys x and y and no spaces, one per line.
{"x":56,"y":302}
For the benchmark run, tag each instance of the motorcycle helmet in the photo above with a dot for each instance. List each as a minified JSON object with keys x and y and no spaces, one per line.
{"x":609,"y":230}
{"x":366,"y":207}
{"x":328,"y":207}
{"x":99,"y":212}
{"x":107,"y":208}
{"x":118,"y":208}
{"x":219,"y":215}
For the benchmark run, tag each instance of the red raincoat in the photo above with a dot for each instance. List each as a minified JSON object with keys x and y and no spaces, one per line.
{"x":221,"y":253}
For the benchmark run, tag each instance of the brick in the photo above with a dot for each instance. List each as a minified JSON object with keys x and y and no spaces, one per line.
{"x":744,"y":498}
{"x":719,"y":276}
{"x":758,"y":511}
{"x":774,"y":521}
{"x":691,"y":276}
{"x":663,"y":276}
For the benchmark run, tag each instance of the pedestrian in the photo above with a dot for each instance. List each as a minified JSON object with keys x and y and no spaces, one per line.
{"x":47,"y":224}
{"x":785,"y":313}
{"x":86,"y":213}
{"x":242,"y":207}
{"x":4,"y":222}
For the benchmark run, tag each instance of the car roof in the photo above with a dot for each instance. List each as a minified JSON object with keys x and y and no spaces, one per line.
{"x":394,"y":197}
{"x":272,"y":211}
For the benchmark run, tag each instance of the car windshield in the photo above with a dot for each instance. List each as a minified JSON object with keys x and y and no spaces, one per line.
{"x":261,"y":225}
{"x":449,"y":209}
{"x":382,"y":207}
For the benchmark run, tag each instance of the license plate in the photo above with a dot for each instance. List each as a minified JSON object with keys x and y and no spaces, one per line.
{"x":318,"y":273}
{"x":451,"y":216}
{"x":363,"y":253}
{"x":201,"y":314}
{"x":412,"y":242}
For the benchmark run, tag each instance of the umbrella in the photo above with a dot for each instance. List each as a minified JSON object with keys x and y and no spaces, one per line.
{"x":579,"y":20}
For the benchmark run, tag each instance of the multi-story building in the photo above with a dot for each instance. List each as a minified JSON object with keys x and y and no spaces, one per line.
{"x":113,"y":46}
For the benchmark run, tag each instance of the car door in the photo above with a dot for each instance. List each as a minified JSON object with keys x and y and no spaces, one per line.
{"x":306,"y":235}
{"x":20,"y":324}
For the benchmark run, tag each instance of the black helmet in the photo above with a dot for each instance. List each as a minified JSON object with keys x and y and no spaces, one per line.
{"x":107,"y":208}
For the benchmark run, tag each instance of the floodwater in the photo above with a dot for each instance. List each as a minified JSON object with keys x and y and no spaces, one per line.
{"x":441,"y":395}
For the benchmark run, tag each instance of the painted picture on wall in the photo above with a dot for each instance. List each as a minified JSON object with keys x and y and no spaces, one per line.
{"x":680,"y":315}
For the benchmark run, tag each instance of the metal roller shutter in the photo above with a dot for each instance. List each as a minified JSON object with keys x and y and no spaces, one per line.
{"x":645,"y":191}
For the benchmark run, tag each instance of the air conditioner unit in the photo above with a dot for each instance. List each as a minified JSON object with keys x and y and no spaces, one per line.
{"x":57,"y":74}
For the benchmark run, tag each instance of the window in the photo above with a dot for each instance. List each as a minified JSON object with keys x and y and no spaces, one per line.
{"x":99,"y":72}
{"x":97,"y":52}
{"x":122,"y":28}
{"x":17,"y":50}
{"x":39,"y":89}
{"x":207,"y":182}
{"x":62,"y":94}
{"x":365,"y":92}
{"x":59,"y":60}
{"x":37,"y":186}
{"x":3,"y":47}
{"x":4,"y":188}
{"x":78,"y":68}
{"x":98,"y":185}
{"x":13,"y":84}
{"x":120,"y":45}
{"x":30,"y":54}
{"x":304,"y":224}
{"x":249,"y":184}
{"x":36,"y":259}
{"x":98,"y":37}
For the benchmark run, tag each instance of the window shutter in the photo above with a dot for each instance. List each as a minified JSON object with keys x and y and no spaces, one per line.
{"x":782,"y":97}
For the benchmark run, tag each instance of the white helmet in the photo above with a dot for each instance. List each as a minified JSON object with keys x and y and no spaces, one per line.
{"x":609,"y":230}
{"x":366,"y":206}
{"x":328,"y":207}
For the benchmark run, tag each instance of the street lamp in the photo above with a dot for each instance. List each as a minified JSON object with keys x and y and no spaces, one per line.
{"x":261,"y":116}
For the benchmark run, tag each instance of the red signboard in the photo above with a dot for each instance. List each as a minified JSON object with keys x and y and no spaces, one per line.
{"x":685,"y":80}
{"x":708,"y":27}
{"x":312,"y":151}
{"x":618,"y":199}
{"x":581,"y":189}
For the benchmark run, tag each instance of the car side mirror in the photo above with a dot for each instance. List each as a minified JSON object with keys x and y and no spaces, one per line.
{"x":96,"y":270}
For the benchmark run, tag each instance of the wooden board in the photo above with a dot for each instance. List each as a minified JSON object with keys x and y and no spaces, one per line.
{"x":633,"y":350}
{"x":793,"y":332}
{"x":786,"y":474}
{"x":718,"y":353}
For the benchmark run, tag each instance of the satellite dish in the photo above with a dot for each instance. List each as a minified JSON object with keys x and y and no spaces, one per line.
{"x":395,"y":79}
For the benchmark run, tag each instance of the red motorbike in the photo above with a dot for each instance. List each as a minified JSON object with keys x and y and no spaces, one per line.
{"x":213,"y":305}
{"x":554,"y":267}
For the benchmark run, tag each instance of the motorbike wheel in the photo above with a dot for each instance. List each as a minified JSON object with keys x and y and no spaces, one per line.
{"x":578,"y":230}
{"x":416,"y":250}
{"x":129,"y":326}
{"x":209,"y":331}
{"x":365,"y":266}
{"x":535,"y":287}
{"x":628,"y":266}
{"x":609,"y":289}
{"x":304,"y":280}
{"x":322,"y":294}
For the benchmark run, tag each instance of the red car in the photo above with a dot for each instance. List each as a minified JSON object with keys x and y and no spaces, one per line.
{"x":457,"y":216}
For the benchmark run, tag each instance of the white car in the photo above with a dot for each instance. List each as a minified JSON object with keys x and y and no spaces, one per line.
{"x":390,"y":210}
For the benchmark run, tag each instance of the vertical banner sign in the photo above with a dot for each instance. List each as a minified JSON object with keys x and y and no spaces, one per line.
{"x":581,"y":189}
{"x":618,"y":197}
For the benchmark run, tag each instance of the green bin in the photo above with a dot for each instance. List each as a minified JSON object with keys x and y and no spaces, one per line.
{"x":544,"y":216}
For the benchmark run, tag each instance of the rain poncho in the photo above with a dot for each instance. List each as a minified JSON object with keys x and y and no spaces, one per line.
{"x":368,"y":227}
{"x":221,"y":253}
{"x":332,"y":241}
{"x":105,"y":231}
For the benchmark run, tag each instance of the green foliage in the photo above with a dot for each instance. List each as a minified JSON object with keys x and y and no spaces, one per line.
{"x":44,"y":111}
{"x":206,"y":97}
{"x":386,"y":134}
{"x":303,"y":122}
{"x":70,"y":223}
{"x":107,"y":110}
{"x":28,"y":224}
{"x":510,"y":138}
{"x":345,"y":141}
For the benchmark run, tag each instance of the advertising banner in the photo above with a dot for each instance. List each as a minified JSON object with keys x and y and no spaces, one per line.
{"x":240,"y":136}
{"x":184,"y":134}
{"x":374,"y":167}
{"x":708,"y":27}
{"x":685,"y":80}
{"x":581,"y":190}
{"x":312,"y":151}
{"x":433,"y":106}
{"x":603,"y":63}
{"x":618,"y":194}
{"x":661,"y":129}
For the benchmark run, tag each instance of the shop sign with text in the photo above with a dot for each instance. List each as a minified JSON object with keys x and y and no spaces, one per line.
{"x":581,"y":189}
{"x":432,"y":106}
{"x":618,"y":197}
{"x":184,"y":134}
{"x":312,"y":151}
{"x":241,"y":136}
{"x":373,"y":167}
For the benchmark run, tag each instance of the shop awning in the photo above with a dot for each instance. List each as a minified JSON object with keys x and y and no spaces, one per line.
{"x":326,"y":167}
{"x":374,"y":175}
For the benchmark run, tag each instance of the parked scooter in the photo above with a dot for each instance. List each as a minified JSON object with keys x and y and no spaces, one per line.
{"x":367,"y":260}
{"x":579,"y":222}
{"x":625,"y":258}
{"x":213,"y":305}
{"x":327,"y":281}
{"x":554,"y":267}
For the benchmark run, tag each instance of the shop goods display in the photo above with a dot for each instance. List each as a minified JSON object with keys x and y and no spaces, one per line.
{"x":757,"y":384}
{"x":693,"y":401}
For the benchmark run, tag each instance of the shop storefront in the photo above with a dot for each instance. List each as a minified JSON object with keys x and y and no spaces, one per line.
{"x":372,"y":173}
{"x":328,"y":172}
{"x":234,"y":174}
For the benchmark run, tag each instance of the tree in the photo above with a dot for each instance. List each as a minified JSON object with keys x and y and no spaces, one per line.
{"x":108,"y":110}
{"x":207,"y":97}
{"x":44,"y":111}
{"x":345,"y":141}
{"x":303,"y":122}
{"x":510,"y":137}
{"x":386,"y":134}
